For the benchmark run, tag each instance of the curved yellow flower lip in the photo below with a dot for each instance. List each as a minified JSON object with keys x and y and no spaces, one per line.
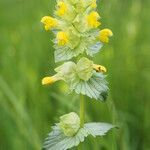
{"x":104,"y":35}
{"x":92,"y":19}
{"x":99,"y":68}
{"x":49,"y":22}
{"x":49,"y":80}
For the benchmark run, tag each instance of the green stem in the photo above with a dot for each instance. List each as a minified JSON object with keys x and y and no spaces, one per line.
{"x":82,"y":113}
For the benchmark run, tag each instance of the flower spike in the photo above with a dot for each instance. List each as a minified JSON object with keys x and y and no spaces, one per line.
{"x":77,"y":38}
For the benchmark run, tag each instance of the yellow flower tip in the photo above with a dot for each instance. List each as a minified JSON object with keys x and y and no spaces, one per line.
{"x":99,"y":68}
{"x":61,"y":9}
{"x":104,"y":35}
{"x":48,"y":80}
{"x":49,"y":22}
{"x":92,"y":19}
{"x":62,"y":38}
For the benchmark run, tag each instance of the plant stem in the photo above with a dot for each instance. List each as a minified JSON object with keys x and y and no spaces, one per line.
{"x":82,"y":113}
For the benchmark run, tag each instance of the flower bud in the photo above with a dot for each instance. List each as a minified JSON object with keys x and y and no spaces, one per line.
{"x":69,"y":124}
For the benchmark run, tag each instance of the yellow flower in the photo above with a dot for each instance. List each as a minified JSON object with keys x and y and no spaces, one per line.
{"x":49,"y":80}
{"x":62,"y":38}
{"x":93,"y":5}
{"x":92,"y":19}
{"x":62,"y":8}
{"x":49,"y":22}
{"x":104,"y":35}
{"x":99,"y":68}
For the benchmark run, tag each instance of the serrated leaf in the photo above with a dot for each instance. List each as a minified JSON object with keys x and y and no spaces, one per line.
{"x":98,"y":129}
{"x":65,"y":53}
{"x":94,"y":49}
{"x":95,"y":87}
{"x":57,"y":140}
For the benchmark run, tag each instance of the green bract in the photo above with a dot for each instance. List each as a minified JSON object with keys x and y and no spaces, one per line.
{"x":78,"y":44}
{"x":96,"y":87}
{"x":66,"y":71}
{"x":84,"y":69}
{"x":82,"y":79}
{"x":57,"y":140}
{"x":70,"y":71}
{"x":69,"y":124}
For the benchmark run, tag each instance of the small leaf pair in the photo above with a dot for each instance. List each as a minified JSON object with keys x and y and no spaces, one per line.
{"x":58,"y":139}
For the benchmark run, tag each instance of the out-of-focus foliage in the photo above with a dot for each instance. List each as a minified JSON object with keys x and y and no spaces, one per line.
{"x":27,"y":110}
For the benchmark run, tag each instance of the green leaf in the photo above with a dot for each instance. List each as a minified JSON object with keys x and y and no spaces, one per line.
{"x":98,"y":129}
{"x":57,"y":140}
{"x":63,"y":53}
{"x":95,"y":87}
{"x":94,"y":49}
{"x":93,"y":45}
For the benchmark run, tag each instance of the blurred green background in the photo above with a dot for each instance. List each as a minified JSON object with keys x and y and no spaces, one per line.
{"x":27,"y":109}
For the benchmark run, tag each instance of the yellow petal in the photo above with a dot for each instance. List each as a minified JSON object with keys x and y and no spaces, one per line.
{"x":92,"y":19}
{"x":49,"y":22}
{"x":48,"y":80}
{"x":62,"y":38}
{"x":104,"y":35}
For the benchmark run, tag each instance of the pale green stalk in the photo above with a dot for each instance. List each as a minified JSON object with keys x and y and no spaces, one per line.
{"x":82,"y":116}
{"x":82,"y":113}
